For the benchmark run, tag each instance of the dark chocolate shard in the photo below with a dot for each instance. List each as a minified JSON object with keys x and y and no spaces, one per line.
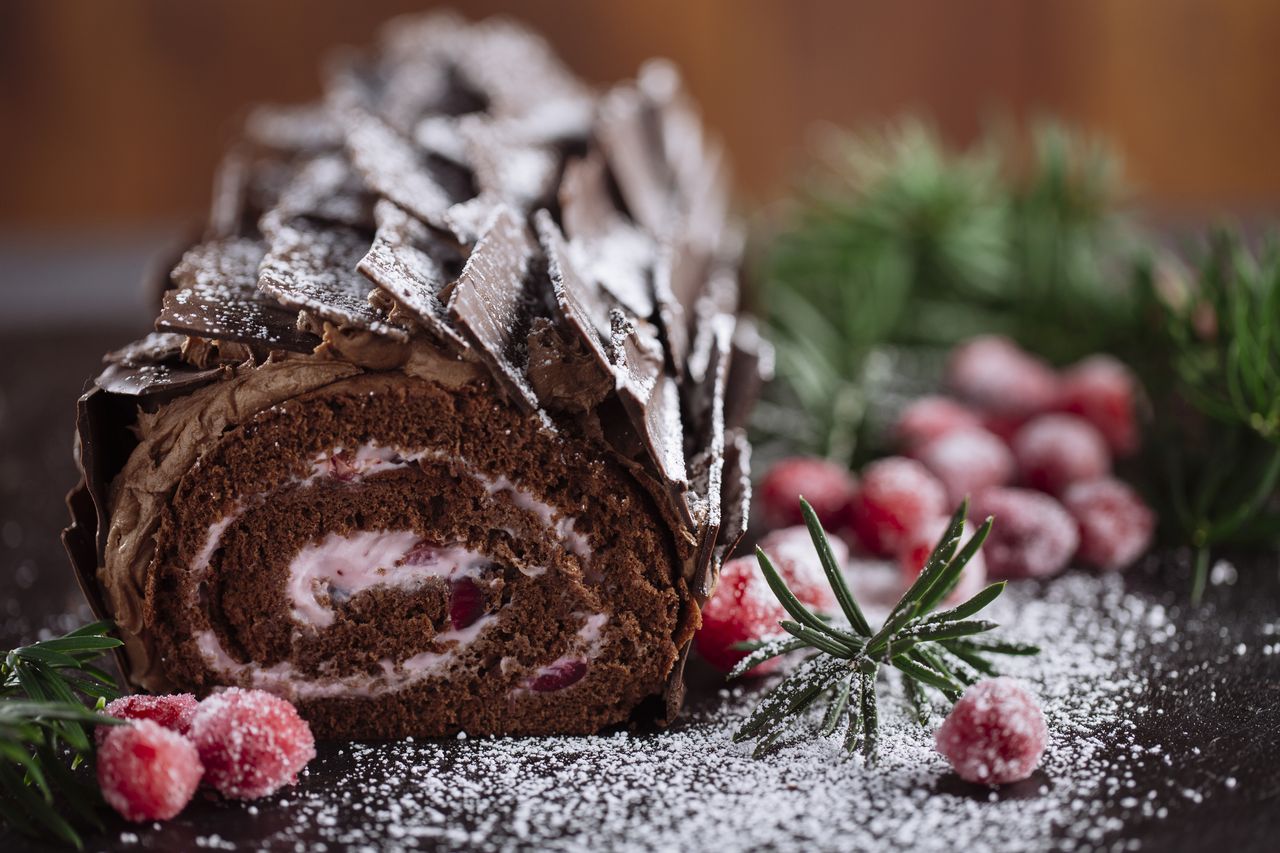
{"x":518,"y":173}
{"x":513,"y":68}
{"x":626,"y":132}
{"x":650,"y":397}
{"x":408,"y":261}
{"x":750,"y":367}
{"x":155,"y":348}
{"x":311,"y":266}
{"x":735,"y":502}
{"x":153,"y":380}
{"x":487,"y":302}
{"x":393,"y":167}
{"x":324,"y":188}
{"x":218,"y":298}
{"x":608,"y":248}
{"x":583,"y":306}
{"x":301,"y":128}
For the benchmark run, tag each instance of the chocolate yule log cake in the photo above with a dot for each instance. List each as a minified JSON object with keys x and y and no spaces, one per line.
{"x":440,"y":428}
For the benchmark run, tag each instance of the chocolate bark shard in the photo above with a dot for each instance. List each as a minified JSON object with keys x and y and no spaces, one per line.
{"x":513,"y":68}
{"x":650,"y":397}
{"x":608,"y":248}
{"x":325,"y":188}
{"x":627,"y":134}
{"x":218,"y":298}
{"x":425,"y":186}
{"x":156,"y":347}
{"x":408,"y":260}
{"x":487,"y":302}
{"x":311,"y":266}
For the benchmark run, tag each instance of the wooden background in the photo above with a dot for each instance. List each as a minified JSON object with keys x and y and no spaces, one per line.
{"x":113,"y":113}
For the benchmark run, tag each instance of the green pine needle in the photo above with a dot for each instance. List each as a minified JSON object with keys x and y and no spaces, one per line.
{"x":942,"y":650}
{"x":50,"y":696}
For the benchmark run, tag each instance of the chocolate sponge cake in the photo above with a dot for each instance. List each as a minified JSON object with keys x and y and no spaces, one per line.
{"x":440,"y":428}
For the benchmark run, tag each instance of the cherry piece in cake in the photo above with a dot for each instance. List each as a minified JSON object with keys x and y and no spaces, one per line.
{"x":558,"y":675}
{"x":466,"y":603}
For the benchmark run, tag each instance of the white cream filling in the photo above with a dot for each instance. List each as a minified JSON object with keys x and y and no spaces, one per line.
{"x":339,"y":567}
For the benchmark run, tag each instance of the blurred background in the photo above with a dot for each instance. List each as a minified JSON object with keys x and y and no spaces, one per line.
{"x":112,"y":115}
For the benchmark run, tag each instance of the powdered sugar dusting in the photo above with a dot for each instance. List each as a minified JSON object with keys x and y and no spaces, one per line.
{"x":678,"y":789}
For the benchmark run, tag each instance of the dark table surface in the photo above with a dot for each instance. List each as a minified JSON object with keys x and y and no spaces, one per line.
{"x":1185,"y":757}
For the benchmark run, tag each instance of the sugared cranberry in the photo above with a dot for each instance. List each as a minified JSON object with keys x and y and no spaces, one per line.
{"x":340,"y":467}
{"x":929,"y":418}
{"x":967,"y":461}
{"x":792,"y":552}
{"x":743,"y":608}
{"x":558,"y":675}
{"x":894,"y":499}
{"x":998,"y":377}
{"x":466,"y":603}
{"x":251,"y":742}
{"x":1032,"y":536}
{"x":1103,"y":391}
{"x":1115,"y":525}
{"x":146,"y":771}
{"x":1055,"y":451}
{"x":918,"y":548}
{"x":826,"y":485}
{"x":995,"y":734}
{"x":173,"y":712}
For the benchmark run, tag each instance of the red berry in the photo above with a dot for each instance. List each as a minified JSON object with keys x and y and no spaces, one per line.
{"x":823,"y":483}
{"x":251,"y":742}
{"x":1102,"y":390}
{"x":793,"y":555}
{"x":466,"y":603}
{"x":918,"y":548}
{"x":173,"y":712}
{"x":997,"y":376}
{"x":558,"y":675}
{"x":1032,"y":536}
{"x":424,"y":552}
{"x":994,"y":734}
{"x":146,"y":771}
{"x":1054,"y":451}
{"x":1115,"y":525}
{"x":742,"y":608}
{"x":967,"y":461}
{"x":896,"y":496}
{"x":929,"y":418}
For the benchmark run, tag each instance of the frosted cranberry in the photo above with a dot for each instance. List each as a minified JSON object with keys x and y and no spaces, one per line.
{"x":466,"y":603}
{"x":558,"y":675}
{"x":1115,"y":525}
{"x":341,"y":469}
{"x":1033,"y":535}
{"x":1103,"y":391}
{"x":929,"y":418}
{"x":173,"y":712}
{"x":793,"y":555}
{"x":823,"y":483}
{"x":894,"y":499}
{"x":997,"y":376}
{"x":251,"y":742}
{"x":995,"y":733}
{"x":1054,"y":451}
{"x":146,"y":771}
{"x":743,"y":608}
{"x":967,"y":461}
{"x":918,"y":548}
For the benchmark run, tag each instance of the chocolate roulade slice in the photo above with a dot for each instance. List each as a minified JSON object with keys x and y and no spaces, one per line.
{"x":400,"y":555}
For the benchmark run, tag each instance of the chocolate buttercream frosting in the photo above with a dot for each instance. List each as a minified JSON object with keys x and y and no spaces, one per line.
{"x":458,"y":212}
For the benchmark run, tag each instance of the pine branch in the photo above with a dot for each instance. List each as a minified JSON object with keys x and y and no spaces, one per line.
{"x":941,"y":650}
{"x":50,"y":696}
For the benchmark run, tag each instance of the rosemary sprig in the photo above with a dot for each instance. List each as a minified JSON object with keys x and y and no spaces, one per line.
{"x":941,"y":650}
{"x":50,"y":693}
